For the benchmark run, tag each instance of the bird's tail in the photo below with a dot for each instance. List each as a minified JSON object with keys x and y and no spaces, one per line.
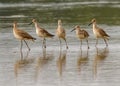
{"x":51,"y":35}
{"x":33,"y":39}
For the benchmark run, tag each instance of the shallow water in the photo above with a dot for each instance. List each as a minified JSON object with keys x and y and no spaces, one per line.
{"x":54,"y":67}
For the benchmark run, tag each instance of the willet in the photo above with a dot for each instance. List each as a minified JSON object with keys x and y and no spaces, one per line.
{"x":60,"y":32}
{"x":22,"y":35}
{"x":41,"y":32}
{"x":99,"y":33}
{"x":81,"y":34}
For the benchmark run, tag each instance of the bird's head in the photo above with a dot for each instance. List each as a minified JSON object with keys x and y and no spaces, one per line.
{"x":33,"y":21}
{"x":59,"y":22}
{"x":76,"y":27}
{"x":92,"y":21}
{"x":14,"y":23}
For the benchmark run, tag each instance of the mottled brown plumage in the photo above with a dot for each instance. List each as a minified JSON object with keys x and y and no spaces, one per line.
{"x":22,"y":35}
{"x":60,"y":32}
{"x":41,"y":32}
{"x":81,"y":34}
{"x":99,"y":33}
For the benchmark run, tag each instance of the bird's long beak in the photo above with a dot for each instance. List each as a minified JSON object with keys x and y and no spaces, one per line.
{"x":30,"y":23}
{"x":72,"y":30}
{"x":89,"y":24}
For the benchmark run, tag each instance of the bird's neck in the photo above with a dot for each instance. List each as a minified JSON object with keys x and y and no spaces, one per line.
{"x":14,"y":26}
{"x":36,"y":25}
{"x":59,"y":25}
{"x":77,"y":30}
{"x":94,"y":25}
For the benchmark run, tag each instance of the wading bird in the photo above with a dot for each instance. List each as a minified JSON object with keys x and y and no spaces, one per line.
{"x":60,"y":32}
{"x":81,"y":34}
{"x":99,"y":33}
{"x":22,"y":35}
{"x":41,"y":32}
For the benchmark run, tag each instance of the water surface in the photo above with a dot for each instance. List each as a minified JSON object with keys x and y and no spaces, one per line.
{"x":54,"y":67}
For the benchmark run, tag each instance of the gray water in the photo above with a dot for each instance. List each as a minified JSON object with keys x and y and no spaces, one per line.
{"x":97,"y":66}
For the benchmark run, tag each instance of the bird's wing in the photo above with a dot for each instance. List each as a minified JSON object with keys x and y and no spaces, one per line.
{"x":86,"y":33}
{"x":102,"y":32}
{"x":45,"y":32}
{"x":24,"y":34}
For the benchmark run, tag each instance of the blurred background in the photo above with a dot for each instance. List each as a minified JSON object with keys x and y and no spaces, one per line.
{"x":71,"y":11}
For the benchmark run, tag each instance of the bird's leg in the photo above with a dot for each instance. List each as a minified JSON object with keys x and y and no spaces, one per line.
{"x":105,"y":42}
{"x":87,"y":52}
{"x":96,"y":42}
{"x":87,"y":43}
{"x":81,"y":44}
{"x":27,"y":45}
{"x":21,"y":49}
{"x":44,"y":42}
{"x":66,"y":44}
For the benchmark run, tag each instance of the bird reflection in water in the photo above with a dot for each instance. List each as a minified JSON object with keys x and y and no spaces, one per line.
{"x":61,"y":61}
{"x":22,"y":64}
{"x":82,"y":59}
{"x":22,"y":55}
{"x":42,"y":62}
{"x":101,"y":55}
